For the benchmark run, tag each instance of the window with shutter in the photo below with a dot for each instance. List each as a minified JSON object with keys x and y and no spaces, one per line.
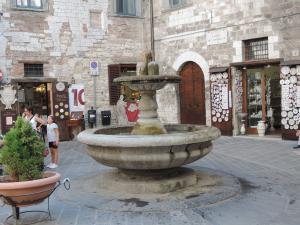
{"x":114,"y":71}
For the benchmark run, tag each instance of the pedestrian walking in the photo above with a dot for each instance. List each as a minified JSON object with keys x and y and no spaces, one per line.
{"x":53,"y":140}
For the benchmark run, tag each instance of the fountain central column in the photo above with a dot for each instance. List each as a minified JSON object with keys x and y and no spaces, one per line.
{"x":148,"y":122}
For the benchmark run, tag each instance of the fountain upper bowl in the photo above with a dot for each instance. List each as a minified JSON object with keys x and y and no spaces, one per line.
{"x":147,"y":82}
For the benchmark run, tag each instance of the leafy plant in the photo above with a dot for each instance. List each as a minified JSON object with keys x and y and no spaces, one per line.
{"x":22,"y":153}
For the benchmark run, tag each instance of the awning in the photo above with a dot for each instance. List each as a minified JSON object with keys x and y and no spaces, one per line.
{"x":34,"y":80}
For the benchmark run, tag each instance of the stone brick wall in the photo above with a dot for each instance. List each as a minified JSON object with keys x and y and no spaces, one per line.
{"x":66,"y":37}
{"x":69,"y":34}
{"x":215,"y":30}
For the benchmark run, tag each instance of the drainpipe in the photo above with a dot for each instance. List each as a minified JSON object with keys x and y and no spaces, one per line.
{"x":152,"y":30}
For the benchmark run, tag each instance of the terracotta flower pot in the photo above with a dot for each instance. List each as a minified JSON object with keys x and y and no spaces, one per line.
{"x":27,"y":193}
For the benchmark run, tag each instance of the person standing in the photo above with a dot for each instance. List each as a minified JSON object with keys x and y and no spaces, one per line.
{"x":53,"y":140}
{"x":32,"y":119}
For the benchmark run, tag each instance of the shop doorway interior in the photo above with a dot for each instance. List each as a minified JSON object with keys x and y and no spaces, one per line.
{"x":35,"y":95}
{"x":263,"y":99}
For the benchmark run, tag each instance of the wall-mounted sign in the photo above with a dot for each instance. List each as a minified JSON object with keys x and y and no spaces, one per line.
{"x":21,"y":95}
{"x":60,"y":102}
{"x":285,"y":99}
{"x":298,"y":96}
{"x":8,"y":118}
{"x":224,"y":96}
{"x":8,"y":96}
{"x":76,"y":98}
{"x":60,"y":86}
{"x":216,"y":37}
{"x":94,"y":68}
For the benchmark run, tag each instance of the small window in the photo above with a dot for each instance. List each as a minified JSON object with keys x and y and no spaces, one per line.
{"x":32,"y":5}
{"x":256,"y":49}
{"x":95,"y":20}
{"x":33,"y":70}
{"x":35,"y":4}
{"x":127,"y":7}
{"x":176,"y":3}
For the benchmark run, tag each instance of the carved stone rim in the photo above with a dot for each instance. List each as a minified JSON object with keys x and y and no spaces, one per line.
{"x":184,"y":134}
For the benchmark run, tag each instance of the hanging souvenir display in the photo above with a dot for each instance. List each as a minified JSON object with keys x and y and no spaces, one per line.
{"x":290,"y":97}
{"x":219,"y":96}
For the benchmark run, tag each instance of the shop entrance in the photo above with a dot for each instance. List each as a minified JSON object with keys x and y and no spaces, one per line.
{"x":36,"y":95}
{"x":262,"y":100}
{"x":192,"y":94}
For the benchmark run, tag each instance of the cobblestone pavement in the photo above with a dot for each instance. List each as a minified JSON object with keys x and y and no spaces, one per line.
{"x":268,"y":170}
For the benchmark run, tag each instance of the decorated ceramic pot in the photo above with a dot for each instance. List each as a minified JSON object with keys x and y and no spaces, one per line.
{"x":261,"y":128}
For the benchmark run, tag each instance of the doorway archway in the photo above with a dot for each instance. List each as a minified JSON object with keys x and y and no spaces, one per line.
{"x":192,"y":94}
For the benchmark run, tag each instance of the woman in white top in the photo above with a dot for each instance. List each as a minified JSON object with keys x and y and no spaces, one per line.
{"x":32,"y":119}
{"x":53,"y":140}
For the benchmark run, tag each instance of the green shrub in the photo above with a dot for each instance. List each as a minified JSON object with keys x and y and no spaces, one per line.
{"x":22,"y":153}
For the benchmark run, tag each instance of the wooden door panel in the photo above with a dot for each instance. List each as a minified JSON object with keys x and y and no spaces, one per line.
{"x":192,"y":94}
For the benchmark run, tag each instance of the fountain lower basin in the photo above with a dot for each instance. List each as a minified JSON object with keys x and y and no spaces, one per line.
{"x":116,"y":147}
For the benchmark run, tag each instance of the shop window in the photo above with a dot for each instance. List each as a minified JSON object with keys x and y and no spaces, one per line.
{"x":256,"y":49}
{"x":128,"y":7}
{"x":263,"y":98}
{"x":33,"y":70}
{"x":39,"y":5}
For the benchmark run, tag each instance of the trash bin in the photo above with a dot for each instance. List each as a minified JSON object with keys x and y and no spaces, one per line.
{"x":105,"y":118}
{"x":92,"y":117}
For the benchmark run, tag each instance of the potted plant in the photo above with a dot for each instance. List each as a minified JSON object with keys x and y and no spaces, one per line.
{"x":22,"y":158}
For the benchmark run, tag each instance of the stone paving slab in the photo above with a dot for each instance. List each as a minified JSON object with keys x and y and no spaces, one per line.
{"x":269,"y":172}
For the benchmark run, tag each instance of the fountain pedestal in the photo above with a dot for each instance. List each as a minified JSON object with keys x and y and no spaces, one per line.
{"x":148,"y":122}
{"x":143,"y":182}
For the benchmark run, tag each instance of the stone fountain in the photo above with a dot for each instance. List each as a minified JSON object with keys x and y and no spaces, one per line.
{"x":149,"y":156}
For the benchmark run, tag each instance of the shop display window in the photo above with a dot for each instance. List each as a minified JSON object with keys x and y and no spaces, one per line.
{"x":254,"y":97}
{"x":264,"y":97}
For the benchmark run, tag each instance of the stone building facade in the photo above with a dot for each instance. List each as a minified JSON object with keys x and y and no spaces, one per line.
{"x":65,"y":36}
{"x":208,"y":35}
{"x":213,"y":34}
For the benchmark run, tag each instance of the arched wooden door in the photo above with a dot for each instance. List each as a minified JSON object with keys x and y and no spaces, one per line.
{"x":192,"y":95}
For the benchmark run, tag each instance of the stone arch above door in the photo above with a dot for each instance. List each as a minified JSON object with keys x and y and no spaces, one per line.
{"x":194,"y":57}
{"x":191,"y":56}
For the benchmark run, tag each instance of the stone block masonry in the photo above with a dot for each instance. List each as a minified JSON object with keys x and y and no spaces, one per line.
{"x":65,"y":38}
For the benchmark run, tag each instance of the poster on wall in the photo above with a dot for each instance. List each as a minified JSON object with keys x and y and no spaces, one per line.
{"x":285,"y":89}
{"x":298,"y":96}
{"x":76,"y":98}
{"x":224,"y":96}
{"x":8,"y":118}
